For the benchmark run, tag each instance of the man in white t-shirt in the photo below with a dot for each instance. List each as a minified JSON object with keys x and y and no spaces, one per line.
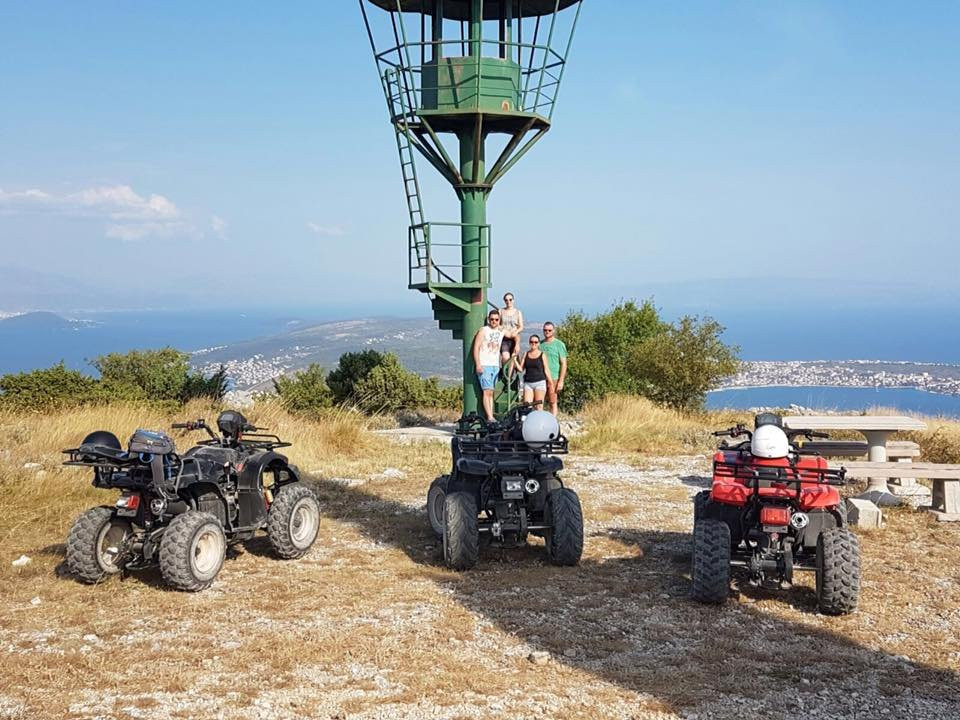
{"x":486,"y":357}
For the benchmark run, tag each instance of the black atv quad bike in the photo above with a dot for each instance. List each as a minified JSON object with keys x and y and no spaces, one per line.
{"x":502,"y":488}
{"x":773,"y":509}
{"x":181,"y":511}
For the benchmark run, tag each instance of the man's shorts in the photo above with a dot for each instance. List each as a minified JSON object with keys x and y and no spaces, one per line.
{"x":488,"y":378}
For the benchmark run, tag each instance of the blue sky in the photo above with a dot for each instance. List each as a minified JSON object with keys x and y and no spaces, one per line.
{"x":698,"y":148}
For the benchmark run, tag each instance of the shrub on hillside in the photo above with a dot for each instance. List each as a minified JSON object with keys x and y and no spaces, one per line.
{"x":47,"y":389}
{"x":599,"y":348}
{"x":390,"y":387}
{"x":678,"y":366}
{"x":629,"y":350}
{"x":156,"y":376}
{"x":304,"y":391}
{"x":351,"y":369}
{"x":371,"y":381}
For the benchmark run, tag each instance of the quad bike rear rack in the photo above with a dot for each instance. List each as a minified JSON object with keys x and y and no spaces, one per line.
{"x":753,"y":477}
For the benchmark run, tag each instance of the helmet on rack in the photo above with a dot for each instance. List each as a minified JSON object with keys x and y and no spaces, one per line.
{"x":769,"y":441}
{"x":540,"y":427}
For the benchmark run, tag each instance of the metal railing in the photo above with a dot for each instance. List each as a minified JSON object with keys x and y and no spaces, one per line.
{"x":434,"y":262}
{"x":539,"y":68}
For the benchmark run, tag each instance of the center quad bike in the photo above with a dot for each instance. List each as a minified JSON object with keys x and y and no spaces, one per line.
{"x":181,"y":511}
{"x":773,"y":509}
{"x":504,"y":486}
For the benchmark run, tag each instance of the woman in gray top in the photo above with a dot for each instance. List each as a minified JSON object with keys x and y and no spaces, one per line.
{"x":511,"y":319}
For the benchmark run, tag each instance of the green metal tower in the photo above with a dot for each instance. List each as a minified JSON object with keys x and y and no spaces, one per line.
{"x":479,"y":73}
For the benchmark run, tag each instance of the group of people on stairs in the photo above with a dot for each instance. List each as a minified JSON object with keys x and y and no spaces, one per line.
{"x":542,"y":368}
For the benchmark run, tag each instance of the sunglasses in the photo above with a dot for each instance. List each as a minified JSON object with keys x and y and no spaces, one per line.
{"x":534,"y":342}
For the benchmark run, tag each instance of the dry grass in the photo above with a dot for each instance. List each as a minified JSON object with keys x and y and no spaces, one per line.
{"x":370,"y":624}
{"x":620,"y":423}
{"x":629,"y":424}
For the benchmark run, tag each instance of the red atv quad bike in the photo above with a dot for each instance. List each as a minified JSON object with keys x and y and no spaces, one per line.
{"x":773,"y":509}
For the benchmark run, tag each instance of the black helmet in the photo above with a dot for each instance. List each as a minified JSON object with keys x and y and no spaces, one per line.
{"x":103,"y":438}
{"x":232,"y":423}
{"x":768,"y":418}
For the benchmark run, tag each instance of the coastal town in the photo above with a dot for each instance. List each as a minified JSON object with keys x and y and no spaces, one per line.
{"x":930,"y":377}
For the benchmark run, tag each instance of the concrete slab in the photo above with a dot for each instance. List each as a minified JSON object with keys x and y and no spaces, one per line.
{"x":864,"y":513}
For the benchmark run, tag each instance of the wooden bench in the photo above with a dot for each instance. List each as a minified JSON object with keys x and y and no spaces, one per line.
{"x":945,"y":503}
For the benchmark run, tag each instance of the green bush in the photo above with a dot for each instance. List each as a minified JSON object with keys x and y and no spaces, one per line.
{"x":389,"y":387}
{"x":599,"y":348}
{"x":681,"y":364}
{"x":47,"y":389}
{"x":304,"y":391}
{"x":630,"y":350}
{"x":351,"y":370}
{"x":156,"y":376}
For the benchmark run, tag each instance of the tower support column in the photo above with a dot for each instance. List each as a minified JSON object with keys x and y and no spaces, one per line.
{"x":473,"y":215}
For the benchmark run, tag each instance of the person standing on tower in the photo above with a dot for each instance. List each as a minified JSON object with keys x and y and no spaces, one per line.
{"x":556,"y":353}
{"x":511,"y":319}
{"x":486,"y":357}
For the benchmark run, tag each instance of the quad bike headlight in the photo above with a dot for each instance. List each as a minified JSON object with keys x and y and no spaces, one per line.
{"x":799,"y":520}
{"x":512,"y":486}
{"x":531,"y":486}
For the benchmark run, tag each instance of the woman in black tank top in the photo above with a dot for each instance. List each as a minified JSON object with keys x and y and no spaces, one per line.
{"x":536,"y":373}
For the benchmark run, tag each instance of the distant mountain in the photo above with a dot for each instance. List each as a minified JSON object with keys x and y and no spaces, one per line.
{"x":418,"y":342}
{"x":40,"y":320}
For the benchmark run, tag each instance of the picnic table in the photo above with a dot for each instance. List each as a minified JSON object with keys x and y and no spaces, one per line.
{"x":875,"y":428}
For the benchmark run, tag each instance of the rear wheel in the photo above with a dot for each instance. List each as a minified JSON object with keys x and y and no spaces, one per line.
{"x":436,"y":498}
{"x":838,"y":571}
{"x":711,"y":561}
{"x":461,"y":533}
{"x":94,"y":544}
{"x":293,"y":521}
{"x":565,"y":537}
{"x":700,"y":501}
{"x":192,"y":550}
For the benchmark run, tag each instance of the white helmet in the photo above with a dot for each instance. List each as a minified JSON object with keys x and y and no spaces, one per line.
{"x":540,"y":426}
{"x":769,"y":441}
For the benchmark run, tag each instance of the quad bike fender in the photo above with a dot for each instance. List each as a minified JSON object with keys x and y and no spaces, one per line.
{"x":251,"y":471}
{"x":467,"y":483}
{"x":820,"y":521}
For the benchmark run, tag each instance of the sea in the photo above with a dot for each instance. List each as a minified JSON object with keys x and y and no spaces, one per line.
{"x":931,"y":335}
{"x":837,"y":399}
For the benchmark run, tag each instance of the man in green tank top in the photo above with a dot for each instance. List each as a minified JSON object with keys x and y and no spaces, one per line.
{"x":556,"y":353}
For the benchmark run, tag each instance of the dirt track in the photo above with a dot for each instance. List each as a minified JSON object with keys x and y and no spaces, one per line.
{"x":370,"y":625}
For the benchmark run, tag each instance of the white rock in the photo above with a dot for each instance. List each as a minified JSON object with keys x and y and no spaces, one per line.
{"x":36,"y":601}
{"x":32,"y":466}
{"x":21,"y":561}
{"x":394,"y":473}
{"x":91,"y":638}
{"x":570,"y":653}
{"x":539,"y":657}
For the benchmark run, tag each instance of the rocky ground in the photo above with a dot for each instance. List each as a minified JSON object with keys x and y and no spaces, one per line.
{"x":371,"y":625}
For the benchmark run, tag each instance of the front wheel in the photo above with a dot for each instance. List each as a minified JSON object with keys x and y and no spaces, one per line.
{"x":461,"y":532}
{"x":564,"y":539}
{"x":838,"y":571}
{"x":293,"y":521}
{"x":192,"y":550}
{"x":95,"y":544}
{"x":436,"y":499}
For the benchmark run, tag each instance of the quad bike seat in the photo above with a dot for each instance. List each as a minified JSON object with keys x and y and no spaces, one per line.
{"x":542,"y":465}
{"x":734,"y":474}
